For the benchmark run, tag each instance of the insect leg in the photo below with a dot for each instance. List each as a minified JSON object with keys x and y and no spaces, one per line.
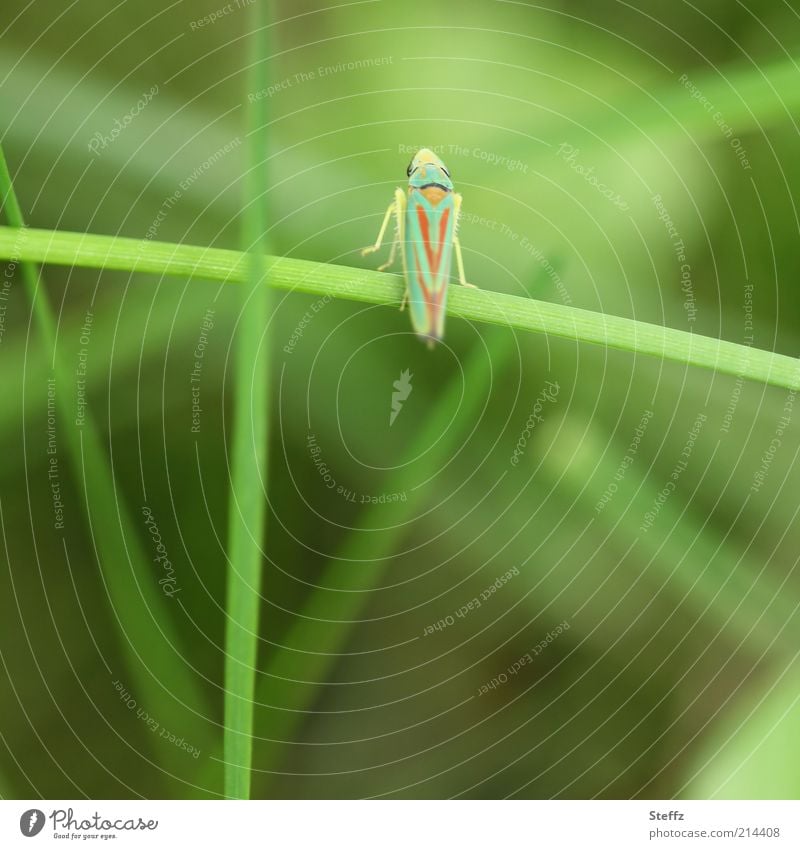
{"x":400,"y":210}
{"x":379,"y":241}
{"x":389,"y":262}
{"x":457,"y":245}
{"x":460,"y":262}
{"x":381,"y":232}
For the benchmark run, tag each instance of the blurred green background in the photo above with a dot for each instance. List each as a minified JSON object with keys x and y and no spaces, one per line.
{"x":635,"y":161}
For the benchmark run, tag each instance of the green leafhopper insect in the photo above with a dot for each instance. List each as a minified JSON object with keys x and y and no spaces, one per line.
{"x":426,"y":218}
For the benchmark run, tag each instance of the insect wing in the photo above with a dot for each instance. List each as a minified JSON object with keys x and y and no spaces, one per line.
{"x":428,"y":246}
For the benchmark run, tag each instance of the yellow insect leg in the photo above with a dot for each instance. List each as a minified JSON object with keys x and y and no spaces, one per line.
{"x":379,"y":241}
{"x":457,"y":245}
{"x":397,"y":206}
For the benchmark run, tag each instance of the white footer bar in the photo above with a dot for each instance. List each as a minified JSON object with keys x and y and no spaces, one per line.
{"x":402,"y":824}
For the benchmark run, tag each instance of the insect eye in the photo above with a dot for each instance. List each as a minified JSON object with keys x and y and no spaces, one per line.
{"x":446,"y":172}
{"x":410,"y":168}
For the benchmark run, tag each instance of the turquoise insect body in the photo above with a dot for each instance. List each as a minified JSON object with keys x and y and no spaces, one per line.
{"x":427,"y":223}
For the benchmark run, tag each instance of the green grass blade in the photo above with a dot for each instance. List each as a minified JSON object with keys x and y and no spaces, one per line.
{"x":247,"y":504}
{"x":164,"y":682}
{"x":375,"y":288}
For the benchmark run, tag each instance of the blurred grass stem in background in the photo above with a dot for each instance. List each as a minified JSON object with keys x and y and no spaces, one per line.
{"x":249,"y":473}
{"x":156,"y":662}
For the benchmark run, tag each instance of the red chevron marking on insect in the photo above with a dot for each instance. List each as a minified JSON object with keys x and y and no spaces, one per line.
{"x":420,"y":279}
{"x":433,"y":259}
{"x":432,"y":304}
{"x":443,"y":227}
